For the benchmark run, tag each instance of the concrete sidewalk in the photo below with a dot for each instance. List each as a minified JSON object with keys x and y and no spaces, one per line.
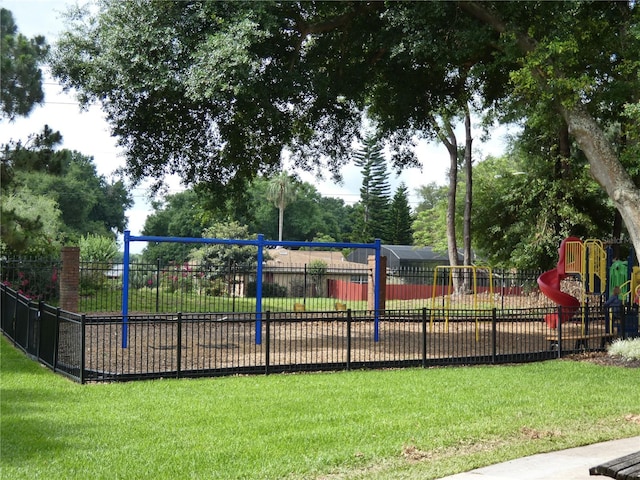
{"x":571,"y":464}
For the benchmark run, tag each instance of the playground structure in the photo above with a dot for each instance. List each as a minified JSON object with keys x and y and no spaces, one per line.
{"x":597,"y":272}
{"x":461,"y":274}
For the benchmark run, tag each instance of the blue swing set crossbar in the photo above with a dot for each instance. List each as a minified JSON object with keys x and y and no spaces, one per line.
{"x":260,"y":243}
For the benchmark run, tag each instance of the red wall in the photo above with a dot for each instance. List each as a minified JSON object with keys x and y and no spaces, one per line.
{"x":343,"y":290}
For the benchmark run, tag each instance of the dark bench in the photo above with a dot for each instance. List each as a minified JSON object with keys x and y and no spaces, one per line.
{"x":623,"y":468}
{"x":581,"y":341}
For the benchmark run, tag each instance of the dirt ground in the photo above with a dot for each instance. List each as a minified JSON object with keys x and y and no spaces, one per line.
{"x":603,"y":358}
{"x":209,"y":344}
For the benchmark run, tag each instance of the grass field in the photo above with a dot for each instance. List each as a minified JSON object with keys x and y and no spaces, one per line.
{"x":387,"y":424}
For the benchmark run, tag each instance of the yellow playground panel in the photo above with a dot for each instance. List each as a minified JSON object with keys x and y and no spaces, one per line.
{"x":462,"y":273}
{"x":589,"y":260}
{"x":632,"y":287}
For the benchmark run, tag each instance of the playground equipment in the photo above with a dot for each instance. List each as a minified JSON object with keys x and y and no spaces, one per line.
{"x":462,"y":273}
{"x":261,"y":243}
{"x":575,"y":257}
{"x":592,"y":264}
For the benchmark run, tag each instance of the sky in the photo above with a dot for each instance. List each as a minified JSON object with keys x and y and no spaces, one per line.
{"x":87,"y":131}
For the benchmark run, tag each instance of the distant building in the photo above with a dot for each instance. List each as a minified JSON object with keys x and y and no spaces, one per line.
{"x":400,"y":257}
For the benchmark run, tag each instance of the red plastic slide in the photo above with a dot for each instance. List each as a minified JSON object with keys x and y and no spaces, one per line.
{"x":549,"y":283}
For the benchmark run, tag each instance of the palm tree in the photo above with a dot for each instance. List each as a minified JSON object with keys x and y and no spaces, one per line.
{"x":281,"y":191}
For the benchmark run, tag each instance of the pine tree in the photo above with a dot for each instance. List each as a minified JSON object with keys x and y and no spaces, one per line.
{"x":20,"y":75}
{"x":401,"y":218}
{"x":373,"y":210}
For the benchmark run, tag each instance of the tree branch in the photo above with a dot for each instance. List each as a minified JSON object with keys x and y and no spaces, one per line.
{"x":480,"y":12}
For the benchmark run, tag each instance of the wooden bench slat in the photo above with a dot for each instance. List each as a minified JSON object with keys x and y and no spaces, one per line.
{"x":623,"y":468}
{"x":631,"y":473}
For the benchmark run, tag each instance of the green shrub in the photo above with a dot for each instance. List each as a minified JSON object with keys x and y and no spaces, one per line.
{"x":268,"y":290}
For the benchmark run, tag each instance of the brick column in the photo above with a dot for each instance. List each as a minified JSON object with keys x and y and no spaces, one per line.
{"x":70,"y":279}
{"x":371,"y":260}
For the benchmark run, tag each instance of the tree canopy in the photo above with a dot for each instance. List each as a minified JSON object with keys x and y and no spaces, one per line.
{"x":82,"y":202}
{"x":186,"y":214}
{"x":20,"y":75}
{"x":215,"y":91}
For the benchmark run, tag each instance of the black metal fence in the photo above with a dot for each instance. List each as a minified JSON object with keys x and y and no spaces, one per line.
{"x":90,"y":348}
{"x":195,"y":288}
{"x":50,"y":335}
{"x":172,"y":287}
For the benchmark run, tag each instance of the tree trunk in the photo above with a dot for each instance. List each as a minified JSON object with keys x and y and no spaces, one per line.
{"x":280,"y":222}
{"x":606,"y":169}
{"x":448,"y":138}
{"x":452,"y":147}
{"x":468,"y":161}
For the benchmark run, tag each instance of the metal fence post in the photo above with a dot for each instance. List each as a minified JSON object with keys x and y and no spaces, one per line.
{"x":158,"y":285}
{"x":260,"y":259}
{"x":267,"y":342}
{"x":349,"y":339}
{"x":559,"y":329}
{"x":38,"y":328}
{"x":14,"y":321}
{"x":424,"y":337}
{"x":494,"y":334}
{"x":56,"y":339}
{"x":179,"y":346}
{"x":83,"y":321}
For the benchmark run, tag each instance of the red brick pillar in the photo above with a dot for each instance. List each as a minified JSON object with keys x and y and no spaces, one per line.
{"x":371,"y":282}
{"x":70,"y":279}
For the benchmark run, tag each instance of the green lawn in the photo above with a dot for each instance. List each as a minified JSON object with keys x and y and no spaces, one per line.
{"x":413,"y":423}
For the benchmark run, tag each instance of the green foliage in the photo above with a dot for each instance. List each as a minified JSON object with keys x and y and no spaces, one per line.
{"x":20,"y":75}
{"x":86,"y":203}
{"x":238,"y":82}
{"x":281,"y":191}
{"x":98,"y":249}
{"x":178,"y":277}
{"x":401,"y":218}
{"x":218,"y":257}
{"x":180,"y":41}
{"x":179,"y":215}
{"x":373,"y":211}
{"x":140,"y":277}
{"x":309,"y":216}
{"x":269,"y":290}
{"x":34,"y":277}
{"x":525,"y":205}
{"x":30,"y":223}
{"x":187,"y":213}
{"x":317,"y":270}
{"x":430,"y":224}
{"x":97,"y":254}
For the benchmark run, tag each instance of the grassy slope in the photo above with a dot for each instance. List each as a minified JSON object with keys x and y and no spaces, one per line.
{"x":410,"y":423}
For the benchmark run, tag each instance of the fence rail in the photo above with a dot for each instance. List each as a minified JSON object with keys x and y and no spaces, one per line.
{"x":195,"y":288}
{"x":89,"y":348}
{"x":172,"y":287}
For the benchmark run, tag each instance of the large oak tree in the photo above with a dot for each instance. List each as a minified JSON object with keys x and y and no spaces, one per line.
{"x":216,"y":90}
